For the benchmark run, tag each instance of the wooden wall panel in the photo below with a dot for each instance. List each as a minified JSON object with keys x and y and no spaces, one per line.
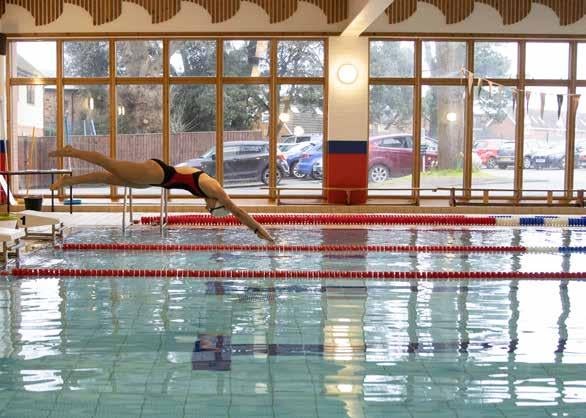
{"x":512,"y":11}
{"x":44,"y":11}
{"x":104,"y":11}
{"x":160,"y":10}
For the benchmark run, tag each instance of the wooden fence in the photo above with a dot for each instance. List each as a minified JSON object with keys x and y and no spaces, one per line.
{"x":183,"y":146}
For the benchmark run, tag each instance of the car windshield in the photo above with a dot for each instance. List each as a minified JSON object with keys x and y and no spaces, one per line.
{"x":210,"y":153}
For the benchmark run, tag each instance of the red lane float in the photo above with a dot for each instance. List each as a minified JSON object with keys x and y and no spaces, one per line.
{"x":294,"y":248}
{"x":326,"y":219}
{"x":295,"y":274}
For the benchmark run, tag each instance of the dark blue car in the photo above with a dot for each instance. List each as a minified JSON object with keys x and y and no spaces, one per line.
{"x":308,"y":160}
{"x":295,"y":153}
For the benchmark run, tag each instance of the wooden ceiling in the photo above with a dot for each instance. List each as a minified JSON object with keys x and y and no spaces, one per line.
{"x":104,"y":11}
{"x":512,"y":11}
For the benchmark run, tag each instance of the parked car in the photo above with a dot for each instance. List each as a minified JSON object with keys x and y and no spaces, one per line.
{"x":294,"y":154}
{"x":506,"y":156}
{"x":244,"y":161}
{"x":488,"y":150}
{"x":392,"y":156}
{"x":307,"y":161}
{"x":580,"y":155}
{"x":550,"y":157}
{"x":288,"y":141}
{"x":318,"y":170}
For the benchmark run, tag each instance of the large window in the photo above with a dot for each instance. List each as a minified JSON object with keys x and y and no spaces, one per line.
{"x":487,"y":91}
{"x":580,"y":145}
{"x":141,"y":106}
{"x":86,"y":111}
{"x":442,"y":120}
{"x":34,"y":135}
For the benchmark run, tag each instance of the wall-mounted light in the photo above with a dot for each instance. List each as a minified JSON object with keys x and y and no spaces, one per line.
{"x":91,"y":103}
{"x":451,"y":116}
{"x":121,"y":110}
{"x":347,"y":73}
{"x":284,"y":117}
{"x":298,"y":131}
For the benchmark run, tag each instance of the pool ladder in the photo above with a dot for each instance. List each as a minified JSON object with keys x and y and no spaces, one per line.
{"x":163,"y":210}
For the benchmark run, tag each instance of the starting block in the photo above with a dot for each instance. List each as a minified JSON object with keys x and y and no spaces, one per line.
{"x":11,"y":242}
{"x":31,"y":219}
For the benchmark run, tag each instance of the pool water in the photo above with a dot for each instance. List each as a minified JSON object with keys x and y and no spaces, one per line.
{"x":112,"y":347}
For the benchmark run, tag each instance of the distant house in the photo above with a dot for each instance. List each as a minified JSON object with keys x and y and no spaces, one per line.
{"x":28,"y":101}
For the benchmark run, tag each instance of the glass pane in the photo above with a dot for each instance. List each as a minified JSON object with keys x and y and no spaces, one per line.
{"x":139,"y":125}
{"x":300,"y":58}
{"x":86,"y":59}
{"x":246,"y":139}
{"x":34,"y":59}
{"x":493,"y":146}
{"x":193,"y":58}
{"x":300,"y":133}
{"x":582,"y":61}
{"x":86,"y":111}
{"x":443,"y":123}
{"x":139,"y":58}
{"x":547,"y":60}
{"x":392,"y":58}
{"x":193,"y":125}
{"x":391,"y":139}
{"x":580,"y":147}
{"x":545,"y":139}
{"x":495,"y":59}
{"x":34,"y":116}
{"x":443,"y":59}
{"x":247,"y":58}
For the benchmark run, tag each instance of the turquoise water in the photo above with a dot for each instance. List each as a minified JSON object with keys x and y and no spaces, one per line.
{"x":223,"y":348}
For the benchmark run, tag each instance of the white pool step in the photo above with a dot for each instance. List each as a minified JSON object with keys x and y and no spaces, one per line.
{"x":33,"y":219}
{"x":10,"y":239}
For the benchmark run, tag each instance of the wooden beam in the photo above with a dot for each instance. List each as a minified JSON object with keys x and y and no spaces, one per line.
{"x":368,"y":13}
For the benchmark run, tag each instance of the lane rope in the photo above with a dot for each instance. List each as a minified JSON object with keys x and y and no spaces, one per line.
{"x":372,"y":219}
{"x":321,"y":248}
{"x":294,"y":274}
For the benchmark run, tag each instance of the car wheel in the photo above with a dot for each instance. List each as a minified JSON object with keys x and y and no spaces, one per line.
{"x":266,"y":175}
{"x":379,"y":173}
{"x":562,"y":164}
{"x":295,"y":171}
{"x":491,"y":163}
{"x":527,"y":162}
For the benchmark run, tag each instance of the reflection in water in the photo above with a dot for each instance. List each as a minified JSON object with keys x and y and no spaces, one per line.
{"x":350,"y":347}
{"x":304,"y":348}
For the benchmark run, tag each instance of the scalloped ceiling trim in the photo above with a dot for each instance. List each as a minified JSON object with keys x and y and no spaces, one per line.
{"x":105,"y":11}
{"x":512,"y":11}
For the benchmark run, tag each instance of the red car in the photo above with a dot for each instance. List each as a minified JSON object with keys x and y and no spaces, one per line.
{"x":488,"y":150}
{"x":392,"y":156}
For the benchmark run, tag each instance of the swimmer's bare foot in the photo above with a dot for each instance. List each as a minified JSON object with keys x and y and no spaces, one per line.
{"x":61,"y":182}
{"x":66,"y":151}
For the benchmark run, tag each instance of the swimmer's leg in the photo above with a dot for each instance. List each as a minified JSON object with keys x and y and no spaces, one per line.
{"x":131,"y":172}
{"x":99,"y":177}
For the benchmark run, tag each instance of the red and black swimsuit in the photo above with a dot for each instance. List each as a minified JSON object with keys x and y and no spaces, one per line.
{"x":174,"y":180}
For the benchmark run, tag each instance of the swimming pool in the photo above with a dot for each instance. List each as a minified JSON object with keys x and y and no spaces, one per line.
{"x":125,"y":347}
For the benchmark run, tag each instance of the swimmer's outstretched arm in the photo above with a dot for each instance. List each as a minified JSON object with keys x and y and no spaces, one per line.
{"x":247,"y":220}
{"x":214,"y":191}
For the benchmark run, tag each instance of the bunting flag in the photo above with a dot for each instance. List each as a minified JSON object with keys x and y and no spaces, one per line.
{"x":560,"y":103}
{"x":542,"y":110}
{"x":575,"y":103}
{"x":527,"y":98}
{"x":470,"y":82}
{"x":479,"y":87}
{"x":489,"y":88}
